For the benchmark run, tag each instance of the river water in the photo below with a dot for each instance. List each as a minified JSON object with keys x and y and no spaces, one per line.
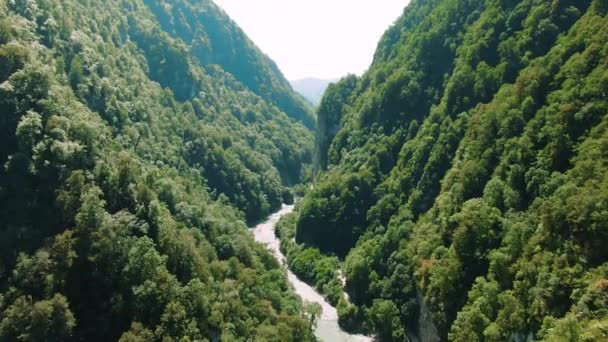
{"x":328,"y":329}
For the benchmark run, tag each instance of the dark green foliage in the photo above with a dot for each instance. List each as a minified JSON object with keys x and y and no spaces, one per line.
{"x":48,"y":320}
{"x":215,"y":39}
{"x":466,"y":182}
{"x":129,"y":170}
{"x":316,"y":218}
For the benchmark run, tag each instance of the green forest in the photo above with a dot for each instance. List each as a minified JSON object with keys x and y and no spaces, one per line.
{"x":455,"y":191}
{"x":462,"y":181}
{"x":137,"y":143}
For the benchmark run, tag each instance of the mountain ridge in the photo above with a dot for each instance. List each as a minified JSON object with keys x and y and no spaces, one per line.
{"x":214,"y":38}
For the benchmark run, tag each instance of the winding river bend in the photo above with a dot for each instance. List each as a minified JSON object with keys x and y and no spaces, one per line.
{"x":328,"y":329}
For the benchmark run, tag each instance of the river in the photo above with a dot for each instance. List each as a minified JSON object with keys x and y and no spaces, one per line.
{"x":328,"y":329}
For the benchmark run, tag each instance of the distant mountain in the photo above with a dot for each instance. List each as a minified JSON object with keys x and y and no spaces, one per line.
{"x":311,"y":88}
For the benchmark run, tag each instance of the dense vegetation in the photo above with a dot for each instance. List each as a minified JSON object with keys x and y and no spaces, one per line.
{"x":215,"y":39}
{"x":136,"y":141}
{"x":464,"y":177}
{"x":309,"y":264}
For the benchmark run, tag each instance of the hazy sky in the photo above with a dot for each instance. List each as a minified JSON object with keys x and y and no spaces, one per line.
{"x":316,"y":38}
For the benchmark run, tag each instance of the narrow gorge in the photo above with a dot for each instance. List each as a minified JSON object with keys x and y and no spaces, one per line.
{"x":327,"y":328}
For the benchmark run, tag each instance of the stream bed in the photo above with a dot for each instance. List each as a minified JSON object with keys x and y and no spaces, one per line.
{"x":328,"y":329}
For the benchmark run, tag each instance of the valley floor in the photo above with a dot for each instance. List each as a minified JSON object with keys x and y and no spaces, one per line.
{"x":327,"y":325}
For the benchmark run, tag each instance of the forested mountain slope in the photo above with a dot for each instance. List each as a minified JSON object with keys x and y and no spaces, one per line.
{"x":134,"y":148}
{"x":465,"y":174}
{"x":213,"y":38}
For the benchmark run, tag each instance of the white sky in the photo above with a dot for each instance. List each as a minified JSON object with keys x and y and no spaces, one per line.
{"x":316,"y":38}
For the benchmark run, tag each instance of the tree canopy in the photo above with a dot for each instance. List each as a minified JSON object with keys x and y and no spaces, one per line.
{"x":463,"y":176}
{"x":135,"y":147}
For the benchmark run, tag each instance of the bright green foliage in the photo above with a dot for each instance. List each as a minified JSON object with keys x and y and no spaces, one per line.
{"x":384,"y":318}
{"x":465,"y":186}
{"x":134,"y":148}
{"x":309,"y":264}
